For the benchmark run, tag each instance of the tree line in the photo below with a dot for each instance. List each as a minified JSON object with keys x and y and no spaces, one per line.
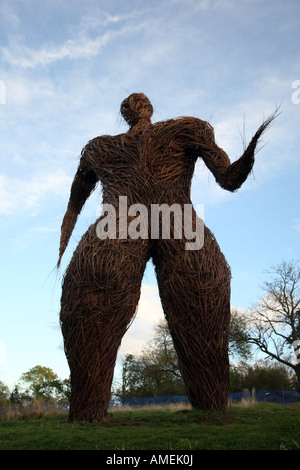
{"x":39,"y":383}
{"x":271,"y":327}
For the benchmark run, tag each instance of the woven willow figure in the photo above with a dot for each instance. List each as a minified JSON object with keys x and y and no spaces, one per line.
{"x":149,"y":164}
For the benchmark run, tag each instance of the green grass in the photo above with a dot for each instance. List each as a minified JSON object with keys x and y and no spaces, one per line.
{"x":257,"y":427}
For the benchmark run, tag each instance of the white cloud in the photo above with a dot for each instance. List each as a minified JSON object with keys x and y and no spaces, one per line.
{"x":82,"y":46}
{"x":20,"y":195}
{"x":99,"y":18}
{"x":142,"y":329}
{"x":20,"y":55}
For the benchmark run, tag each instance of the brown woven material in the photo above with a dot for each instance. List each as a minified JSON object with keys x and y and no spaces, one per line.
{"x":150,"y":164}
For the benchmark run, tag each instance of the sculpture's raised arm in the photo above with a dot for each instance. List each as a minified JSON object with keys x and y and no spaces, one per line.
{"x":228,"y":175}
{"x":83,"y":184}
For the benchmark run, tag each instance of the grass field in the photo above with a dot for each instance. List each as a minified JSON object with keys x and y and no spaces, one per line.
{"x":258,"y":426}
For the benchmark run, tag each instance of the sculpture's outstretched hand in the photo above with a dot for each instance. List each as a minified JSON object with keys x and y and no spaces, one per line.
{"x":231,"y":176}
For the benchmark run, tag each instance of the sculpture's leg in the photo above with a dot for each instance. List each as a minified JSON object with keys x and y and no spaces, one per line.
{"x":195,"y":293}
{"x":101,"y":290}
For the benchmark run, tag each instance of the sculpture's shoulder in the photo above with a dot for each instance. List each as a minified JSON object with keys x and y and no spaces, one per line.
{"x":194,"y":124}
{"x":99,"y":147}
{"x":99,"y":143}
{"x":188,"y":129}
{"x":184,"y":123}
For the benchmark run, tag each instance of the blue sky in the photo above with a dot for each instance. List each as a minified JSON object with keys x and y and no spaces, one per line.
{"x":65,"y":68}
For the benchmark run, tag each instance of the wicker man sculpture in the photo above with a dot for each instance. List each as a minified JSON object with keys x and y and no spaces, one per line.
{"x":151,"y":164}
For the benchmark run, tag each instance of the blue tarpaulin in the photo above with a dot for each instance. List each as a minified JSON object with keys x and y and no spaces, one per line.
{"x":275,"y":396}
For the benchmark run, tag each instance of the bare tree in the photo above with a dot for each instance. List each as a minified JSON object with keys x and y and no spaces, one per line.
{"x":275,"y":320}
{"x":238,"y":348}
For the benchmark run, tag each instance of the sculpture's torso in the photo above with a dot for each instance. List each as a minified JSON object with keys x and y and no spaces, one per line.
{"x":149,"y":164}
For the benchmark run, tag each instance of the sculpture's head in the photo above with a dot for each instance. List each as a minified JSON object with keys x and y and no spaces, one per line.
{"x":136,"y":108}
